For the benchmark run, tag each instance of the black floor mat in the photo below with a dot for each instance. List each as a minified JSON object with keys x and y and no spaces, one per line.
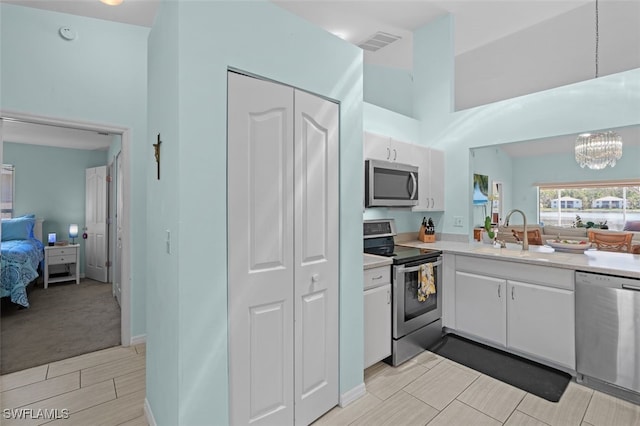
{"x":537,"y":379}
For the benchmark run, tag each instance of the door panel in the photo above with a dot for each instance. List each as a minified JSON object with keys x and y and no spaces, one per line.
{"x":316,"y":256}
{"x":481,"y":306}
{"x":260,"y":251}
{"x":96,"y":243}
{"x":267,"y":344}
{"x":267,"y":188}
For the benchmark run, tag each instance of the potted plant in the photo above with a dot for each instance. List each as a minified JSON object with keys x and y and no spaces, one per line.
{"x":489,"y":234}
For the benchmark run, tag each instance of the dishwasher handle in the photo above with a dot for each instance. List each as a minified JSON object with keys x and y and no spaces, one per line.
{"x":630,"y":287}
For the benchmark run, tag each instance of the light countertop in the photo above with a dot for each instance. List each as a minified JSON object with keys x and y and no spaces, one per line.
{"x":622,"y":264}
{"x":373,"y":261}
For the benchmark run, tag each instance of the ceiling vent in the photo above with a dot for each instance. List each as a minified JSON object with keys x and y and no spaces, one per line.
{"x":378,"y":41}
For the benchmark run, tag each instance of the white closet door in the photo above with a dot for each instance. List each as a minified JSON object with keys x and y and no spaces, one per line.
{"x":260,"y":251}
{"x":96,"y":245}
{"x":316,"y":256}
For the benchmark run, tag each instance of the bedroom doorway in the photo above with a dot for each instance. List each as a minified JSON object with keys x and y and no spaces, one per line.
{"x":121,"y":260}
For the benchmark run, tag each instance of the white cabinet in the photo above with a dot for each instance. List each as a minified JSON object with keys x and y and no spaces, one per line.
{"x":377,"y":314}
{"x":524,"y":308}
{"x":68,"y":256}
{"x":379,"y":147}
{"x":431,"y":179}
{"x":480,"y":306}
{"x":377,"y":324}
{"x":541,"y":321}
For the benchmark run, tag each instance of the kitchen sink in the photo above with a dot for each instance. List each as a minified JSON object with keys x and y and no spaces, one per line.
{"x":515,"y":250}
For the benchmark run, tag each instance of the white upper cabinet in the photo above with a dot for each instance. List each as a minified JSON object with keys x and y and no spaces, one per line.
{"x":431,"y":179}
{"x":379,"y":147}
{"x":430,"y":164}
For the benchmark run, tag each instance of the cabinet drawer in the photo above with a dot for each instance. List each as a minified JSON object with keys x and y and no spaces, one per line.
{"x":57,"y":260}
{"x":375,"y":277}
{"x":62,"y":251}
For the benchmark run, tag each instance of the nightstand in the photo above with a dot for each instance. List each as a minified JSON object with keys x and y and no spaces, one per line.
{"x":62,"y":255}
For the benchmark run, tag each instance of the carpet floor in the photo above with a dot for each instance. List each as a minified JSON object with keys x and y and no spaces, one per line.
{"x":64,"y":320}
{"x":538,"y":379}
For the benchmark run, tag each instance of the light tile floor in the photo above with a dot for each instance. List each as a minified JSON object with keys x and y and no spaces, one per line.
{"x":431,"y":390}
{"x":99,"y":388}
{"x":108,"y":388}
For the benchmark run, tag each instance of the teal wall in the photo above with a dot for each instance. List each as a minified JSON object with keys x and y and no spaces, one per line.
{"x":390,"y":88}
{"x":197,"y":42}
{"x":520,"y":174}
{"x":50,"y":182}
{"x":100,"y":77}
{"x":163,"y":296}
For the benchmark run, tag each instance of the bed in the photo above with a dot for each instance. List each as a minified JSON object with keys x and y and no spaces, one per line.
{"x":22,"y":255}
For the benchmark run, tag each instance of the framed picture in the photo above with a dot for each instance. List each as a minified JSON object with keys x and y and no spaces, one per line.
{"x":480,"y":189}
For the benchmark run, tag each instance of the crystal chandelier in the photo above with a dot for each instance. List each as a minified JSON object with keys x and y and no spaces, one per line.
{"x":598,"y":150}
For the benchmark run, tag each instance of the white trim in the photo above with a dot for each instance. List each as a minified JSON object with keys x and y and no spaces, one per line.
{"x":352,"y":395}
{"x":149,"y":414}
{"x":125,"y":289}
{"x":139,"y":339}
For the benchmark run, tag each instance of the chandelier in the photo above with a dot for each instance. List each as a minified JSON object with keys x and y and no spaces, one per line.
{"x":598,"y":150}
{"x":601,"y":149}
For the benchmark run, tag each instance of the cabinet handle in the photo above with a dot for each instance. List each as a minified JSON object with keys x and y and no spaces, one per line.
{"x":377,"y":278}
{"x":388,"y":297}
{"x":512,"y":288}
{"x":433,"y":203}
{"x":499,"y":286}
{"x":388,"y":153}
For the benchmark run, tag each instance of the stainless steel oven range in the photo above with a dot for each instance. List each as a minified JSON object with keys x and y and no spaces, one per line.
{"x":416,"y":281}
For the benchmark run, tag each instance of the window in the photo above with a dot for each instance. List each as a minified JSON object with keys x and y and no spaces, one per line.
{"x":7,"y":190}
{"x":599,"y":204}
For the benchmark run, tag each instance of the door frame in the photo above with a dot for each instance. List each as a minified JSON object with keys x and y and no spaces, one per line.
{"x":125,"y":134}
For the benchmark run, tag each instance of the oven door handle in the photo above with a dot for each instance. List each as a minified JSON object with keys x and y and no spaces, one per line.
{"x":403,"y":270}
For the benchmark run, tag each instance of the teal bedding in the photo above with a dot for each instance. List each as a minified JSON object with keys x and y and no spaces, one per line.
{"x":19,"y":266}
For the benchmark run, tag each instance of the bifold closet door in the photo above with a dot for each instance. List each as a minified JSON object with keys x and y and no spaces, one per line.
{"x":260,"y":251}
{"x":316,"y":256}
{"x":283,"y":253}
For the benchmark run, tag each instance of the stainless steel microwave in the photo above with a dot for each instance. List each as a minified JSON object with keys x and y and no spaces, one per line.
{"x":389,"y":184}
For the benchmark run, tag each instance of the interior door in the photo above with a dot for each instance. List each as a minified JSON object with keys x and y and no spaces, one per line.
{"x":260,"y":251}
{"x":96,"y":244}
{"x":316,"y":256}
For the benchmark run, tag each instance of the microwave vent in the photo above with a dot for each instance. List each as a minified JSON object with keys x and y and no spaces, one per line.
{"x":378,"y":41}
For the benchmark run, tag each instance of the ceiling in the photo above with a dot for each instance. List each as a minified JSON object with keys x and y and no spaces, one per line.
{"x":477,"y":23}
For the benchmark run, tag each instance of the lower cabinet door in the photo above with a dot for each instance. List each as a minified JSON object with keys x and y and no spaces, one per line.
{"x":377,"y":324}
{"x":542,"y":322}
{"x":481,"y":306}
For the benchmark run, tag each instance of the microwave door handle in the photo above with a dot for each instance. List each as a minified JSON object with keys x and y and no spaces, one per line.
{"x":414,"y":186}
{"x":404,"y":270}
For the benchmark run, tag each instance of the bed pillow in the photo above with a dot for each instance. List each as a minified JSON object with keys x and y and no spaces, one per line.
{"x":19,"y":228}
{"x":632,"y":225}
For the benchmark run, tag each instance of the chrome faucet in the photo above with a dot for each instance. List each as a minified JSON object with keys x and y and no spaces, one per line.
{"x":525,"y":241}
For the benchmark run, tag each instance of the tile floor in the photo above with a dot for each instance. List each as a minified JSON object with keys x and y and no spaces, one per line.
{"x":108,"y":388}
{"x":431,"y":390}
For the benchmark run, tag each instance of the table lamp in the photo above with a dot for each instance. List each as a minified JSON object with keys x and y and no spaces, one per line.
{"x":73,"y":232}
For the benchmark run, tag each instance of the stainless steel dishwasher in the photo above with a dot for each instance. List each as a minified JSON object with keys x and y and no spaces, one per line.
{"x":608,"y":333}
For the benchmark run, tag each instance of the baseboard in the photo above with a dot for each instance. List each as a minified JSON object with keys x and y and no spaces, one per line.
{"x":136,"y":340}
{"x":352,"y":395}
{"x":149,"y":414}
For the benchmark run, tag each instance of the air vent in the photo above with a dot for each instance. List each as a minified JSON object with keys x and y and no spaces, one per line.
{"x":378,"y":41}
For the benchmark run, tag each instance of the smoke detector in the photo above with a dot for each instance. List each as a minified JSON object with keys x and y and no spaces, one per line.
{"x":378,"y":41}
